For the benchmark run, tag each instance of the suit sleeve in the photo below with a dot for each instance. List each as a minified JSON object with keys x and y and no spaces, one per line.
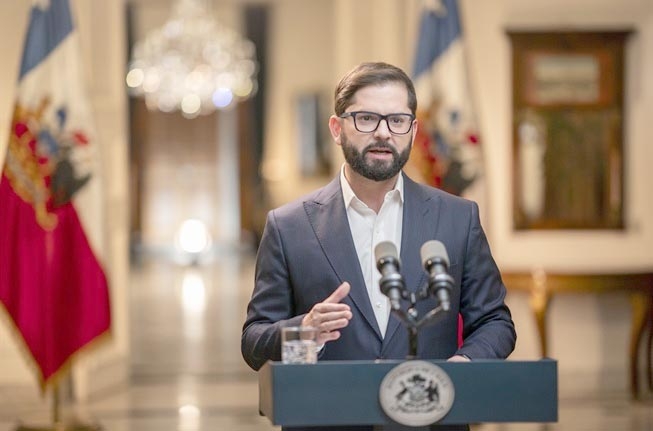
{"x":488,"y":331}
{"x":271,"y":305}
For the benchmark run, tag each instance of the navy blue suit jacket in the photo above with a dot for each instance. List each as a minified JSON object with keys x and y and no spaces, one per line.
{"x":307,"y":250}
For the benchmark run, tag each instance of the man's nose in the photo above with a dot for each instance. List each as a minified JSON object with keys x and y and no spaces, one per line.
{"x":383,"y":129}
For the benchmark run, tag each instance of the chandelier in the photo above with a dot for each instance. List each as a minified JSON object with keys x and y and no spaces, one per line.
{"x":192,"y":64}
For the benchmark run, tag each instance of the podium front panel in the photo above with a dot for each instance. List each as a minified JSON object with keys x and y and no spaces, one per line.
{"x":347,"y":392}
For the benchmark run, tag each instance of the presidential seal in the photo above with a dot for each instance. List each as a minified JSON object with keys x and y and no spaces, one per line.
{"x":416,"y":393}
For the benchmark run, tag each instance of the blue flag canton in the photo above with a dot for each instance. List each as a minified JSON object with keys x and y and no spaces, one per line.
{"x":47,"y":29}
{"x":439,"y":27}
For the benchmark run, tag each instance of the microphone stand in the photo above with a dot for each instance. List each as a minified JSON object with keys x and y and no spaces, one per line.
{"x":410,"y":318}
{"x":391,"y":284}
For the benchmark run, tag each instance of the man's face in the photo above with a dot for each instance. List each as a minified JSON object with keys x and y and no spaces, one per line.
{"x":377,"y":155}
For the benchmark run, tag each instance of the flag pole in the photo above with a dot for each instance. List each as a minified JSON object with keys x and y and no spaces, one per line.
{"x":57,"y":423}
{"x":55,"y":405}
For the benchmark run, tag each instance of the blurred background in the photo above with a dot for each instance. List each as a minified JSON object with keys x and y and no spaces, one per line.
{"x":185,"y":193}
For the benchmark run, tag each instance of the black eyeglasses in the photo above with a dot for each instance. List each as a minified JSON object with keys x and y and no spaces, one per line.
{"x":367,"y":122}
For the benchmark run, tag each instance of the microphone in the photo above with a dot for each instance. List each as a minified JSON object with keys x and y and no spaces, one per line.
{"x":388,"y":263}
{"x":436,"y":262}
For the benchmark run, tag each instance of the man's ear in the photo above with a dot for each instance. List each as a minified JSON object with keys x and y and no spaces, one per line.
{"x":415,"y":127}
{"x":335,"y":127}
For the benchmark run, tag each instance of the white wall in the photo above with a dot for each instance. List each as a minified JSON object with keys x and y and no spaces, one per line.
{"x":300,"y":62}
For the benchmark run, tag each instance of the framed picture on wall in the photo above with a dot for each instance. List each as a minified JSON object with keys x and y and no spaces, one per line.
{"x":312,"y":135}
{"x":568,"y":129}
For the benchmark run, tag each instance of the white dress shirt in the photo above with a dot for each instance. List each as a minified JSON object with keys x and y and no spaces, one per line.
{"x":368,"y":229}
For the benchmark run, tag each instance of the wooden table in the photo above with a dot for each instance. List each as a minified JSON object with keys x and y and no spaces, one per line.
{"x":543,"y":285}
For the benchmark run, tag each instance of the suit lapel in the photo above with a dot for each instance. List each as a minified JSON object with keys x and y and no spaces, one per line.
{"x":419,"y":225}
{"x":328,"y":218}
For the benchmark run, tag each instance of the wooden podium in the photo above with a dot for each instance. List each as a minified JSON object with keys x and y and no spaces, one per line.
{"x":347,"y":393}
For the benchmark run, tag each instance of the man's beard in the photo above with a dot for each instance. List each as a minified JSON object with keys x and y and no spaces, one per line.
{"x":376,"y":170}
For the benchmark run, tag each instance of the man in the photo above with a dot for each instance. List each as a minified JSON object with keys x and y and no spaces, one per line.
{"x":315,"y":264}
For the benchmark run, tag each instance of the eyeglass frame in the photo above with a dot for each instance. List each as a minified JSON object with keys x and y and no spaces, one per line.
{"x":353,"y":114}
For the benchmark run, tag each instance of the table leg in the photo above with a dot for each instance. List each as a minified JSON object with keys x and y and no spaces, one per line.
{"x":649,"y":345}
{"x":639,"y":303}
{"x":539,"y":302}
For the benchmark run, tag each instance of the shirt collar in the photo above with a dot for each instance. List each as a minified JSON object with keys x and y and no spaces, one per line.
{"x":349,"y":195}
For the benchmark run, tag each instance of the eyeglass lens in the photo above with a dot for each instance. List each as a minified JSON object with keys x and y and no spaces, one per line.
{"x":367,"y":122}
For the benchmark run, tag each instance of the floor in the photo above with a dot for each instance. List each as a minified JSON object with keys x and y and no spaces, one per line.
{"x":187,"y":373}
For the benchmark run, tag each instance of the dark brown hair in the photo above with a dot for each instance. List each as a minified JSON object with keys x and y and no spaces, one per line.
{"x":367,"y":74}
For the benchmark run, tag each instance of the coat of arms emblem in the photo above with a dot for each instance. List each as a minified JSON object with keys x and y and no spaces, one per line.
{"x":416,"y":393}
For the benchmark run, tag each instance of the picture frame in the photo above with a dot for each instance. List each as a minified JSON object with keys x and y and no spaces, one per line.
{"x":567,"y":126}
{"x":312,"y":135}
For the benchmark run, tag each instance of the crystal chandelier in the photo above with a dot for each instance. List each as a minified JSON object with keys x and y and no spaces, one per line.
{"x":192,"y":64}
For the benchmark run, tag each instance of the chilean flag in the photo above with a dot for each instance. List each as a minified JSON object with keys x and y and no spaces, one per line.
{"x":447,"y":147}
{"x":52,"y":283}
{"x":448,"y":142}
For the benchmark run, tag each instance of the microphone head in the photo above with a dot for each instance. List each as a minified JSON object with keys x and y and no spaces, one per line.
{"x":385,"y":250}
{"x":432,"y":251}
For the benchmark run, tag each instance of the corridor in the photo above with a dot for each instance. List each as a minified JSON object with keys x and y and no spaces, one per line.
{"x":187,"y":373}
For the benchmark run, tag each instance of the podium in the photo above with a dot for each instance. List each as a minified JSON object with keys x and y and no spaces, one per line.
{"x":332,"y":393}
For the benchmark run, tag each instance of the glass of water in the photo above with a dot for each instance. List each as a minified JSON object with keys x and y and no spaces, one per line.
{"x":299,"y":345}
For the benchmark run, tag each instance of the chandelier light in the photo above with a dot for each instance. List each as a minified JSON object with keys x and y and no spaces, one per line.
{"x":192,"y":64}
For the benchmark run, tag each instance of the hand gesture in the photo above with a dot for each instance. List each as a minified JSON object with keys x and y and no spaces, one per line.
{"x":329,"y":315}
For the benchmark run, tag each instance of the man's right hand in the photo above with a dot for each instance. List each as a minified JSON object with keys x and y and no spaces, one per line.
{"x":330,"y":315}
